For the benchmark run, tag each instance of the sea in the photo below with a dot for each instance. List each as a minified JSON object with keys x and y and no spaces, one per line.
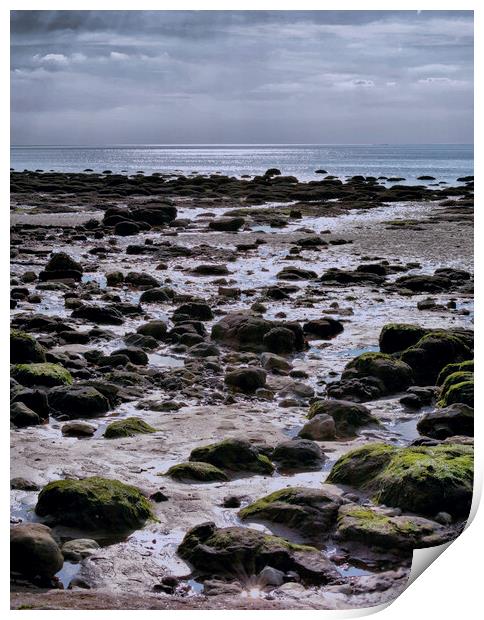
{"x":445,"y":162}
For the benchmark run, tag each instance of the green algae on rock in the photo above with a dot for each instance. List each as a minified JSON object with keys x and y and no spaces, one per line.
{"x":311,"y":512}
{"x":234,"y":455}
{"x":234,"y":551}
{"x":24,"y":348}
{"x":371,"y":526}
{"x":458,"y":387}
{"x":196,"y":471}
{"x":467,"y":366}
{"x":43,"y":373}
{"x":94,"y":504}
{"x":423,"y":479}
{"x":128,"y":427}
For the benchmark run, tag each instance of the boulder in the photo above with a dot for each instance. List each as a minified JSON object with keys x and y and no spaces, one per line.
{"x":44,"y":373}
{"x":233,"y":454}
{"x":136,"y":278}
{"x":229,"y":224}
{"x":280,"y":340}
{"x":246,"y":380}
{"x":78,"y":429}
{"x":320,"y":428}
{"x":374,"y":528}
{"x":156,"y":329}
{"x":21,"y":415}
{"x":458,"y":387}
{"x":78,"y":402}
{"x":194,"y":310}
{"x":348,"y":416}
{"x":311,"y":512}
{"x":296,"y":273}
{"x":298,"y":455}
{"x":230,"y":552}
{"x":33,"y":551}
{"x":395,"y":375}
{"x":324,"y":329}
{"x":197,"y":472}
{"x":422,"y":479}
{"x":399,"y":336}
{"x":24,"y":348}
{"x":102,"y":315}
{"x":456,"y":419}
{"x":94,"y":503}
{"x":129,"y":427}
{"x":78,"y":549}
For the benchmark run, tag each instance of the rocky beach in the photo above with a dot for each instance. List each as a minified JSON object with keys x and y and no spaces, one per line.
{"x":247,"y":392}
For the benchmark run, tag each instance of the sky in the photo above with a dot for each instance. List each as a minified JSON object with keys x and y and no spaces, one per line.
{"x":251,"y":77}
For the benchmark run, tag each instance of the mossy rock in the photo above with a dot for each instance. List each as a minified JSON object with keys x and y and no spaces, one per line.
{"x":372,"y":527}
{"x":399,"y":336}
{"x":232,"y":551}
{"x":458,"y":388}
{"x":434,"y":351}
{"x":128,"y":428}
{"x":193,"y":471}
{"x":348,"y":416}
{"x":24,"y":348}
{"x":44,"y":373}
{"x":467,"y":366}
{"x":94,"y":504}
{"x":394,"y":375}
{"x":456,"y":419}
{"x":233,"y":455}
{"x":78,"y":401}
{"x":311,"y":512}
{"x":425,"y":479}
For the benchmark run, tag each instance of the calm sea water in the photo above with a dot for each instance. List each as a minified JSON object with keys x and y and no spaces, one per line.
{"x":445,"y":162}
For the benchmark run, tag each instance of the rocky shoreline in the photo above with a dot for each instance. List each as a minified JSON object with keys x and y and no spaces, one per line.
{"x":236,"y":392}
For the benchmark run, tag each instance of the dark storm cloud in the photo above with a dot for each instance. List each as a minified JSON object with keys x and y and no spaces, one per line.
{"x":241,"y":76}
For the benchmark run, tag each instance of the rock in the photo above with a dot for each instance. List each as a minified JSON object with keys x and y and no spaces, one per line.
{"x":399,"y":336}
{"x":33,"y":551}
{"x":325,"y":328}
{"x":141,"y":342}
{"x":467,"y":366}
{"x":228,"y":552}
{"x":129,"y":427}
{"x":231,"y":501}
{"x":21,"y":415}
{"x":246,"y":380}
{"x":338,"y":276}
{"x":424,"y":479}
{"x":98,"y":314}
{"x":311,"y":512}
{"x":44,"y":373}
{"x":126,"y":228}
{"x":156,"y":295}
{"x":210,"y":270}
{"x":372,"y":527}
{"x":271,"y":576}
{"x":296,"y":273}
{"x":78,"y":402}
{"x":196,"y":471}
{"x":348,"y":416}
{"x":94,"y":503}
{"x":298,"y":454}
{"x":359,"y":390}
{"x":275,"y":363}
{"x":78,"y":549}
{"x":279,"y":340}
{"x":136,"y":278}
{"x":135,"y":355}
{"x":24,"y":348}
{"x":434,"y":351}
{"x":394,"y":375}
{"x":456,"y":419}
{"x":230,"y":224}
{"x":194,"y":310}
{"x":424,"y":284}
{"x":61,"y":267}
{"x":114,"y":278}
{"x":320,"y":428}
{"x":21,"y":484}
{"x":34,"y":399}
{"x":155,"y":329}
{"x":78,"y":429}
{"x":458,"y":387}
{"x":204,"y":349}
{"x":233,"y":455}
{"x":245,"y":331}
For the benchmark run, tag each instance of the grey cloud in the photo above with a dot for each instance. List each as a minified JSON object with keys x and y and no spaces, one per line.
{"x":241,"y":76}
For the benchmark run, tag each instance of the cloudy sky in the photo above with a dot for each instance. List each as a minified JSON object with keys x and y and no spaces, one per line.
{"x":126,"y":77}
